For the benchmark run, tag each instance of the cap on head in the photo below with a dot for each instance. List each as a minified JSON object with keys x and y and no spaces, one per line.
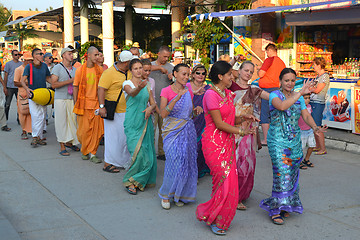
{"x":67,"y":49}
{"x":47,"y":55}
{"x":136,"y":44}
{"x":126,"y":56}
{"x":178,"y":55}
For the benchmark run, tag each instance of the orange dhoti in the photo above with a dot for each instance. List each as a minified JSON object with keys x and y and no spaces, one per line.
{"x":90,"y":131}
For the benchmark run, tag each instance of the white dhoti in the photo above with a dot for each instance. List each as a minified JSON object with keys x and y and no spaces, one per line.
{"x":116,"y":151}
{"x":65,"y":121}
{"x":38,"y":118}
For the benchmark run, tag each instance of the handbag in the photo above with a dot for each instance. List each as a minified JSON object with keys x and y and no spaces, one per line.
{"x":110,"y":107}
{"x":24,"y":105}
{"x":70,"y":85}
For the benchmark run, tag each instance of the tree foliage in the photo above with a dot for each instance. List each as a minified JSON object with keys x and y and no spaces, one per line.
{"x":23,"y":33}
{"x":4,"y":16}
{"x":208,"y":32}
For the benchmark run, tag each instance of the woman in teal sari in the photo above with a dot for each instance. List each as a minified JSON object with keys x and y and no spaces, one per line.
{"x":139,"y":131}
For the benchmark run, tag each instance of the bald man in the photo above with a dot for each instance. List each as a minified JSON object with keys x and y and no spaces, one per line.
{"x":90,"y":126}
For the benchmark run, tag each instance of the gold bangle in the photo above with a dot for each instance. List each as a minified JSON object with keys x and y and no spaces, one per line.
{"x":241,"y":132}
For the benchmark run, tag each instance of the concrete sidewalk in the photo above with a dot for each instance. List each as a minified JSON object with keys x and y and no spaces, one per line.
{"x":342,"y":140}
{"x":46,"y":196}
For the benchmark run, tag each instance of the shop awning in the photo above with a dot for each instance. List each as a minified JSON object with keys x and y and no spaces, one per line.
{"x":260,"y":10}
{"x":329,"y":17}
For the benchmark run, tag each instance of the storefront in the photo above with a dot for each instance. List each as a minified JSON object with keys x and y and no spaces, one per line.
{"x":334,"y":35}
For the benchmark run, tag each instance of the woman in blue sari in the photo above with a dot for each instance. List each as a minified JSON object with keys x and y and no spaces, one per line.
{"x":284,"y":144}
{"x":179,"y":138}
{"x":139,"y":131}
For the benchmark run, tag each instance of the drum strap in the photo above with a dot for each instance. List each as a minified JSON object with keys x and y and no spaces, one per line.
{"x":31,"y":74}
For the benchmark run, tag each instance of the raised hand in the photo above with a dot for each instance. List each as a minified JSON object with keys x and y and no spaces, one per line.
{"x":306,"y":87}
{"x":142,"y":84}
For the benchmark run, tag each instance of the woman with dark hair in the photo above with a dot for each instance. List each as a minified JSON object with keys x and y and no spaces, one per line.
{"x":247,"y":101}
{"x":317,"y":102}
{"x":179,"y":138}
{"x":139,"y":131}
{"x":198,"y":86}
{"x":218,"y":144}
{"x":284,"y":144}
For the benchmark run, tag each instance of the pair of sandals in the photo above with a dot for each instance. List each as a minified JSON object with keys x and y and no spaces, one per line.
{"x":216,"y":230}
{"x":305,"y":164}
{"x":66,"y":153}
{"x":5,"y":128}
{"x":282,"y":216}
{"x":111,"y":169}
{"x":131,"y":190}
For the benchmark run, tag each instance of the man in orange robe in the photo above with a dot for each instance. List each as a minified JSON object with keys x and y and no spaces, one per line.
{"x":90,"y":126}
{"x":25,"y":119}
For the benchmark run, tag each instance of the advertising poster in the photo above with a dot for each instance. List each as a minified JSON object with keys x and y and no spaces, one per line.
{"x":338,"y":108}
{"x":357,"y":110}
{"x":245,"y":34}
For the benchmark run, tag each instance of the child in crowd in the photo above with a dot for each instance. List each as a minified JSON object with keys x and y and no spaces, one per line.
{"x":307,"y":136}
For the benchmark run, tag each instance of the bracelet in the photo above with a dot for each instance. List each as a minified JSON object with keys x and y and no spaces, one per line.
{"x":168,"y":109}
{"x":316,"y":128}
{"x":241,"y":132}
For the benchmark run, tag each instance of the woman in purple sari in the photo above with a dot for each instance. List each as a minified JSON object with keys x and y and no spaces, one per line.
{"x":198,"y":87}
{"x":179,"y":137}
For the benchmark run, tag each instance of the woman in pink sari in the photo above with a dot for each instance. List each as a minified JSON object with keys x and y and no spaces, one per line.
{"x":247,"y":101}
{"x":218,"y":145}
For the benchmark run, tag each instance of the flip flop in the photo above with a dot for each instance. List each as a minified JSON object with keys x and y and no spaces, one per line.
{"x":216,"y":230}
{"x":73,"y":147}
{"x":278,"y":223}
{"x":321,"y":153}
{"x":111,"y":169}
{"x":64,"y":153}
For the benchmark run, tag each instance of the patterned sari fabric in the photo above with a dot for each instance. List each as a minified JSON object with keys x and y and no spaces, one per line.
{"x":219,"y":152}
{"x":286,"y":154}
{"x":199,"y":122}
{"x":178,"y":131}
{"x":247,"y":101}
{"x":140,"y":141}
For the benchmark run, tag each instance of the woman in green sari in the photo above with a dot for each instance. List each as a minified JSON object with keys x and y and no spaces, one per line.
{"x":139,"y":131}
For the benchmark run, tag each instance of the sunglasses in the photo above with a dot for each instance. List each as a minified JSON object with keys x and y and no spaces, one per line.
{"x":40,"y":54}
{"x":198,"y":73}
{"x":16,"y":54}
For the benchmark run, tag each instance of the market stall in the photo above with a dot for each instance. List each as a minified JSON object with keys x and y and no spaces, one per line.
{"x":333,"y":34}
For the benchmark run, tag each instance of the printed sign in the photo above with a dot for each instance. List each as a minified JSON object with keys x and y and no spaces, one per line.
{"x":357,"y":109}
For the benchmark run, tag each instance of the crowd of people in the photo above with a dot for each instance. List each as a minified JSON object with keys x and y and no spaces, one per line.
{"x":204,"y":128}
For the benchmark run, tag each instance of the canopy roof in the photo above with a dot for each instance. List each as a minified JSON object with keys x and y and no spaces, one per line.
{"x":260,"y":10}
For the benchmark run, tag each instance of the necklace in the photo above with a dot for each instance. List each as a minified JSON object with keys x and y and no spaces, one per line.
{"x":222,"y":93}
{"x":198,"y":86}
{"x":175,"y":88}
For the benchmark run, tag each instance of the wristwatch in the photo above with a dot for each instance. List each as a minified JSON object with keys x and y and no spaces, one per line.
{"x":102,"y":106}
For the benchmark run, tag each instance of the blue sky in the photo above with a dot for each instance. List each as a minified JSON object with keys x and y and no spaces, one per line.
{"x":26,"y":4}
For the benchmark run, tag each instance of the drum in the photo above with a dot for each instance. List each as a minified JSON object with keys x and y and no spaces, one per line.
{"x":43,"y":96}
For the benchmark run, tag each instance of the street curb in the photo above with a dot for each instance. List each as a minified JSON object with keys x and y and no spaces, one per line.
{"x":342,"y":145}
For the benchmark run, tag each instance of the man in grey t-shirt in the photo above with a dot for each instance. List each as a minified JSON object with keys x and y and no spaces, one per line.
{"x":162,"y":80}
{"x":62,"y":77}
{"x":11,"y":89}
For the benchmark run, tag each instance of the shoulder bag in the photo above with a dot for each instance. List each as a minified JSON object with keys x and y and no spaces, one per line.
{"x":110,"y":107}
